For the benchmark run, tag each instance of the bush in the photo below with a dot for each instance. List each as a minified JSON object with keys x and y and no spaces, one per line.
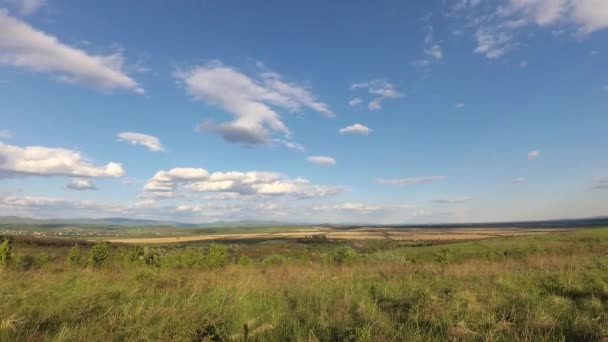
{"x":343,"y":254}
{"x":274,"y":259}
{"x":442,"y":256}
{"x":42,"y":259}
{"x":5,"y":252}
{"x":23,"y":262}
{"x":216,"y":257}
{"x":134,"y":254}
{"x":244,"y":260}
{"x":75,"y":256}
{"x":99,"y":254}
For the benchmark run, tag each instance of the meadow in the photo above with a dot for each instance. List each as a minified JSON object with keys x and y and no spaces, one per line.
{"x":537,"y":287}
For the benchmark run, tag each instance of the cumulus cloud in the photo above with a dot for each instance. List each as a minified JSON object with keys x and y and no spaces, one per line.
{"x":379,"y":90}
{"x":355,"y":129}
{"x":197,"y":180}
{"x":23,"y":46}
{"x":80,"y":184}
{"x":5,"y":134}
{"x":28,"y":7}
{"x":149,"y":141}
{"x":322,"y":160}
{"x":532,"y":155}
{"x":410,"y":181}
{"x":51,"y":161}
{"x":253,"y":102}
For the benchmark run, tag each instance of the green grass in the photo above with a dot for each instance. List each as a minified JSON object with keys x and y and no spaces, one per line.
{"x":550,"y":287}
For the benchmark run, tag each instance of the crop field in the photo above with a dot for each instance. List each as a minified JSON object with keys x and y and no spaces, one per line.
{"x":311,"y":284}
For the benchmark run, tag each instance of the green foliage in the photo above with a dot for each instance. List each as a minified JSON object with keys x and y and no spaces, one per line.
{"x":75,"y":257}
{"x":243,"y":260}
{"x":5,"y":252}
{"x":99,"y":254}
{"x":551,"y":288}
{"x":216,"y":257}
{"x":343,"y":254}
{"x":134,"y":254}
{"x":42,"y":259}
{"x":274,"y":259}
{"x":443,"y":256}
{"x":23,"y":262}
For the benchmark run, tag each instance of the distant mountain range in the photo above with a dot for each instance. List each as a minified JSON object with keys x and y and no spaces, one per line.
{"x":127,"y":222}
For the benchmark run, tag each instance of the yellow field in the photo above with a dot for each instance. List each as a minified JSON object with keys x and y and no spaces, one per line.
{"x":406,"y":234}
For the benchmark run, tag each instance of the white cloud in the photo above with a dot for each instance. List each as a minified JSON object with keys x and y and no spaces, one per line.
{"x":431,"y":47}
{"x":164,"y":184}
{"x":523,"y":64}
{"x":493,"y":44}
{"x":149,"y":141}
{"x":532,"y":155}
{"x":454,"y":200}
{"x":28,"y":7}
{"x":588,"y":15}
{"x":290,"y":144}
{"x":51,"y":161}
{"x":25,"y":47}
{"x":251,"y":101}
{"x":519,"y":180}
{"x":5,"y":134}
{"x":459,"y":105}
{"x":355,"y":101}
{"x":499,"y":24}
{"x":355,"y":129}
{"x":380,"y":90}
{"x":420,"y":63}
{"x":80,"y":184}
{"x":410,"y":181}
{"x":322,"y":160}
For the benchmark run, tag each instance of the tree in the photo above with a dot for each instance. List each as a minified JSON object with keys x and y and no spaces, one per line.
{"x":99,"y":254}
{"x":5,"y":252}
{"x":217,"y":256}
{"x":75,"y":256}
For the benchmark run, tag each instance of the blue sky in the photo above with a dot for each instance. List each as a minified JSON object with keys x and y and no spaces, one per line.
{"x":363,"y":112}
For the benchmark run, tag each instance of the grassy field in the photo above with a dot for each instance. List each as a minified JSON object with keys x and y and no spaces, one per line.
{"x":550,"y":286}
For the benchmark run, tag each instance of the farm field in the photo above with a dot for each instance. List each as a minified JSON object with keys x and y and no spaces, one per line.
{"x":406,"y":234}
{"x":422,"y":285}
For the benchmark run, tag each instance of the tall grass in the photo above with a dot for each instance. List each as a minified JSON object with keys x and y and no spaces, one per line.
{"x":553,"y":287}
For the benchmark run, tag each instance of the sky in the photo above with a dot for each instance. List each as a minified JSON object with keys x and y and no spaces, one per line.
{"x":304,"y":111}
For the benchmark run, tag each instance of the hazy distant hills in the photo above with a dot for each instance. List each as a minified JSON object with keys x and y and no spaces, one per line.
{"x":127,"y":222}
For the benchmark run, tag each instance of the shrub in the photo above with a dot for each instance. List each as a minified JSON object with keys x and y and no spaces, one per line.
{"x":75,"y":256}
{"x":99,"y":254}
{"x":134,"y":254}
{"x":5,"y":252}
{"x":23,"y":262}
{"x":244,"y":260}
{"x":442,"y":256}
{"x":343,"y":254}
{"x":42,"y":259}
{"x":216,"y":257}
{"x":274,"y":259}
